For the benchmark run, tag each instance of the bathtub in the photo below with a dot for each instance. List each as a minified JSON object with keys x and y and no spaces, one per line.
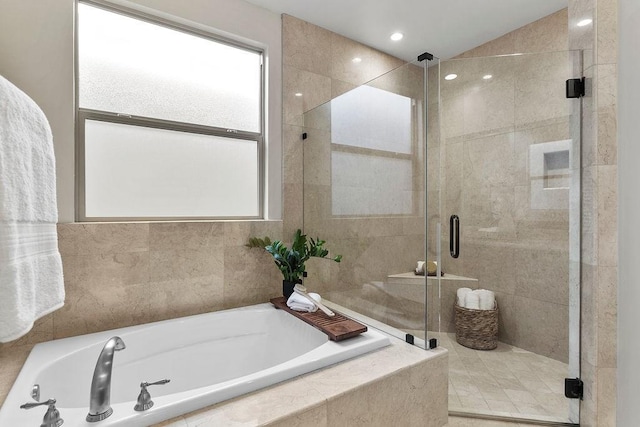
{"x":208,"y":358}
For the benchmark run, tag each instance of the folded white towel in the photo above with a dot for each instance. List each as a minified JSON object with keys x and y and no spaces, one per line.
{"x":299,"y":302}
{"x":31,"y":283}
{"x":472,"y":301}
{"x":487,"y":299}
{"x":460,"y":293}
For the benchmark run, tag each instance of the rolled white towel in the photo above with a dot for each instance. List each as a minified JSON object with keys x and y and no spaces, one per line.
{"x":472,"y":300}
{"x":487,"y":299}
{"x":299,"y":302}
{"x":420,"y":267}
{"x":460,"y":293}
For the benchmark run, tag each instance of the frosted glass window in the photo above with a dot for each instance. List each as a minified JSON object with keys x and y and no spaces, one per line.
{"x":370,"y":185}
{"x":134,"y":171}
{"x":372,"y":118}
{"x":137,"y":68}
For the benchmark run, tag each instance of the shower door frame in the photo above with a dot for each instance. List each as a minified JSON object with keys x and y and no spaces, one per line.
{"x":575,"y":230}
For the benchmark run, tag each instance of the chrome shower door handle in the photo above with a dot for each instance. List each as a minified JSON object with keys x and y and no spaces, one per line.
{"x":454,"y":236}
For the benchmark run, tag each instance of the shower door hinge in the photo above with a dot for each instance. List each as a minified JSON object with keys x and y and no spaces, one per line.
{"x":573,"y":388}
{"x":304,"y":135}
{"x":425,"y":55}
{"x":409,"y":339}
{"x":575,"y":88}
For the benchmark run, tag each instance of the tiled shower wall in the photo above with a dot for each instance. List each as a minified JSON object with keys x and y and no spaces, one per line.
{"x":513,"y":246}
{"x":123,"y":274}
{"x":318,"y":64}
{"x":376,"y":247}
{"x":599,"y":269}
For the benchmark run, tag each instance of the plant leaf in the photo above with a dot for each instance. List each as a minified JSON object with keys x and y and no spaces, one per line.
{"x":291,"y":261}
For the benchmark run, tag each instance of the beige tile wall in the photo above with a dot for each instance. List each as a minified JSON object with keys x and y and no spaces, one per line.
{"x":517,"y":250}
{"x":123,"y":274}
{"x":599,"y":187}
{"x":318,"y":64}
{"x":599,"y":195}
{"x":548,"y":34}
{"x":115,"y":263}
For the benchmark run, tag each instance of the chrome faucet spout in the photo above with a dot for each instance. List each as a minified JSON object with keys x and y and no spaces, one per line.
{"x":100,"y":397}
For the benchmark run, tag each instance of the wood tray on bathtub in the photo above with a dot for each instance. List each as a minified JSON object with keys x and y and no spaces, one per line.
{"x":338,"y":327}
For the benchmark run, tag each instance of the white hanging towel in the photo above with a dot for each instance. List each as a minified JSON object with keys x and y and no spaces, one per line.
{"x":31,"y":283}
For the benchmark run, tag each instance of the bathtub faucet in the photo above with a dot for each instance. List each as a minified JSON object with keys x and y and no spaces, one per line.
{"x":100,"y":397}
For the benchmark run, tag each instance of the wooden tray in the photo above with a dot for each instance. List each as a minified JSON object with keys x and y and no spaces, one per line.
{"x":338,"y":327}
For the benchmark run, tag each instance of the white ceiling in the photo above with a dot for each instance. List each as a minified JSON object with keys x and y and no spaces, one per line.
{"x":444,"y":28}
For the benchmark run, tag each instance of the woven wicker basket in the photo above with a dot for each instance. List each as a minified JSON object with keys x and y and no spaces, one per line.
{"x":477,"y":329}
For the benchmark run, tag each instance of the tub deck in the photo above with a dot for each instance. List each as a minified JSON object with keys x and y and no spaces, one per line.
{"x":397,"y":385}
{"x":209,"y":358}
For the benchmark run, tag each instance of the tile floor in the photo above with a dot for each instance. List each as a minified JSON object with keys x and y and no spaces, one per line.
{"x":507,"y":381}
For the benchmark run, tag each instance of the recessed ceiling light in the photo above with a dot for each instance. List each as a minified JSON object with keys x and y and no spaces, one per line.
{"x":450,"y":76}
{"x":298,"y":94}
{"x":584,"y":22}
{"x":487,"y":76}
{"x":356,"y":60}
{"x":396,"y":36}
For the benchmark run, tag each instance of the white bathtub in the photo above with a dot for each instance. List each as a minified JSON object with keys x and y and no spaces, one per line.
{"x":208,"y":358}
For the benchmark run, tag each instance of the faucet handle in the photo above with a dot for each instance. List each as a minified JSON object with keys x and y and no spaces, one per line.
{"x":144,"y":398}
{"x":51,"y":417}
{"x":161,"y":382}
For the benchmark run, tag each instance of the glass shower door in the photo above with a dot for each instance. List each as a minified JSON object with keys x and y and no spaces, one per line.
{"x":510,"y":173}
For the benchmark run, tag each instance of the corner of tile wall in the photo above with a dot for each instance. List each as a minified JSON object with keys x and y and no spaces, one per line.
{"x":599,"y":216}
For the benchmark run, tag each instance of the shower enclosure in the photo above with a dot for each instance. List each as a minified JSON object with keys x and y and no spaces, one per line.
{"x":364,"y":192}
{"x":491,"y":146}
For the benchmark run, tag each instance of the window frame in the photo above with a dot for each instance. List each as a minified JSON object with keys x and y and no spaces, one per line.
{"x":84,"y":114}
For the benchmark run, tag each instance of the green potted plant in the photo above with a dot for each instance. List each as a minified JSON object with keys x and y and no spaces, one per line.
{"x":291,"y":261}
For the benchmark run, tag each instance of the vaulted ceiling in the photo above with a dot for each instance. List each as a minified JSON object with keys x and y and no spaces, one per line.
{"x":444,"y":28}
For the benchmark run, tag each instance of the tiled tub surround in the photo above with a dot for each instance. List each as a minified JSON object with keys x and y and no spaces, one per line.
{"x":397,"y":385}
{"x":123,"y":274}
{"x":208,"y":358}
{"x":118,"y":275}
